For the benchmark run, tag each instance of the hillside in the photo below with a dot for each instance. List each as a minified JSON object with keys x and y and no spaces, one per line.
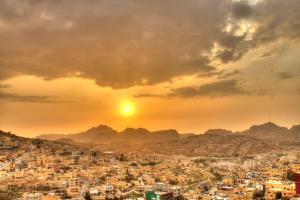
{"x":269,"y":130}
{"x":216,"y":145}
{"x":103,"y":134}
{"x":257,"y":139}
{"x":12,"y":143}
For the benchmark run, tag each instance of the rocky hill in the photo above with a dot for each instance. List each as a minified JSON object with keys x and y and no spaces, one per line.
{"x":103,"y":134}
{"x":217,"y":145}
{"x":220,"y":142}
{"x":269,"y":130}
{"x":12,"y":143}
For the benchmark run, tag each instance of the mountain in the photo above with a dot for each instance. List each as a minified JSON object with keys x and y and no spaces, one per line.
{"x":12,"y":143}
{"x":257,"y":139}
{"x":65,"y":141}
{"x":261,"y":138}
{"x":218,"y":132}
{"x":185,"y":135}
{"x":270,"y":130}
{"x":99,"y":134}
{"x":9,"y":140}
{"x":7,"y":134}
{"x":216,"y":145}
{"x":103,"y":134}
{"x":295,"y":130}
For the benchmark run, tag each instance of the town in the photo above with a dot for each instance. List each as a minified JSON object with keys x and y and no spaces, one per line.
{"x":149,"y":100}
{"x":50,"y":170}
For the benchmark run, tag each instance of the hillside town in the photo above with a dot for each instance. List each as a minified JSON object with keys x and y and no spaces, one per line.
{"x":149,"y":99}
{"x":44,"y":170}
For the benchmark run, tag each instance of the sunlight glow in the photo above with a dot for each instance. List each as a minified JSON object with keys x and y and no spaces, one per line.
{"x":127,"y":108}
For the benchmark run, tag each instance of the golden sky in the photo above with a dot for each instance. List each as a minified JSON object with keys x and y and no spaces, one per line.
{"x":188,"y":65}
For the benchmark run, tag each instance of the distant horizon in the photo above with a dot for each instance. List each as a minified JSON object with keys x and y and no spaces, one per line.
{"x":151,"y":130}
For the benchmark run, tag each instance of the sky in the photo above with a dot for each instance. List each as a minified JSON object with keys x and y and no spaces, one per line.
{"x":190,"y":65}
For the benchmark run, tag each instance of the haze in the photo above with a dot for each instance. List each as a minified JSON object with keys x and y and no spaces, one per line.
{"x":189,"y":65}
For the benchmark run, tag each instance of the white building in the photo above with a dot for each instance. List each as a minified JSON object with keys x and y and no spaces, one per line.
{"x":177,"y":191}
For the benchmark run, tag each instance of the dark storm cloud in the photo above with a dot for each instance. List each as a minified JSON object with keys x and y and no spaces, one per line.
{"x":278,"y":19}
{"x":132,"y":42}
{"x":23,"y":98}
{"x":215,"y":89}
{"x":115,"y":43}
{"x":242,"y":9}
{"x":275,"y":19}
{"x":226,"y":56}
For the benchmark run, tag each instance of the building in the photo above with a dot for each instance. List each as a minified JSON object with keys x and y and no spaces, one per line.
{"x":151,"y":195}
{"x":286,"y":188}
{"x":177,"y":191}
{"x":297,"y":183}
{"x":74,"y":187}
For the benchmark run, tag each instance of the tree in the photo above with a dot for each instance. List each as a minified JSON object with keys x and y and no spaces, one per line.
{"x":87,"y":196}
{"x":278,"y":195}
{"x":4,"y":196}
{"x":291,"y":175}
{"x":173,"y":182}
{"x":259,"y":194}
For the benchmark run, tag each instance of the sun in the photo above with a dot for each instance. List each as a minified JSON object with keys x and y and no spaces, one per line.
{"x":127,"y":108}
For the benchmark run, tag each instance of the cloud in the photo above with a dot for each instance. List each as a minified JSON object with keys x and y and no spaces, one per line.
{"x":210,"y":74}
{"x":262,"y":92}
{"x":284,"y":75}
{"x":229,"y":74}
{"x":277,"y":20}
{"x":148,"y":95}
{"x":215,"y":89}
{"x":267,"y":54}
{"x":121,"y":44}
{"x":242,"y":9}
{"x":25,"y":98}
{"x":256,"y":25}
{"x":117,"y":44}
{"x":3,"y":86}
{"x":6,"y":96}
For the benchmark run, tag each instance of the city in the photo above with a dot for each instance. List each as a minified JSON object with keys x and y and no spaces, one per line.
{"x":38,"y":169}
{"x":149,"y":100}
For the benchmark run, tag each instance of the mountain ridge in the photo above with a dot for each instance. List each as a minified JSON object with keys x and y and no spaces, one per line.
{"x":256,"y":139}
{"x":105,"y":134}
